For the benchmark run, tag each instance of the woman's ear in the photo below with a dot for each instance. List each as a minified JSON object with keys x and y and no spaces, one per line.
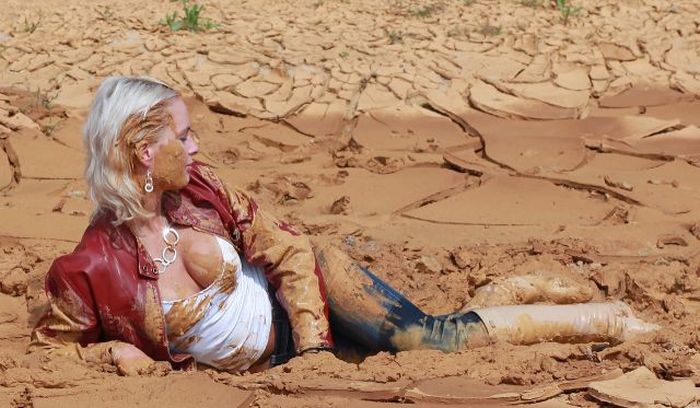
{"x":144,"y":154}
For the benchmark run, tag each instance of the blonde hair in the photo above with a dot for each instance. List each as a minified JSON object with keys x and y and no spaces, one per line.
{"x":127,"y":113}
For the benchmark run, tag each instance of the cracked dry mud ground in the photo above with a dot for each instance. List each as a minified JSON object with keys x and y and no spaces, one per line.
{"x":444,"y":150}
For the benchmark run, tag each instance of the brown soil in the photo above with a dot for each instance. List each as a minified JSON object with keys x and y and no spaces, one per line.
{"x":445,"y":145}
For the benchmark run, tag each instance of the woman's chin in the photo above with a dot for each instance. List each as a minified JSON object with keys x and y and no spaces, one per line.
{"x":178,"y":184}
{"x":184,"y":181}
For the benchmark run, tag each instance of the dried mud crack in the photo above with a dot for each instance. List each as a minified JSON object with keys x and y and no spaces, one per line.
{"x":444,"y":145}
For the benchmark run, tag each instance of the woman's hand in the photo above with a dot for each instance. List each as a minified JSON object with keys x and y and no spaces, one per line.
{"x":129,"y":361}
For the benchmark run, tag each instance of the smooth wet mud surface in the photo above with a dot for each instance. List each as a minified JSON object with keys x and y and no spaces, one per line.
{"x":445,"y":147}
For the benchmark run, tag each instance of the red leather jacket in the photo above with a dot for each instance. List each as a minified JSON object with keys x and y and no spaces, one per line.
{"x":107,"y":288}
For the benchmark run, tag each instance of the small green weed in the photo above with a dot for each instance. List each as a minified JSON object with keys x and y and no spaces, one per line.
{"x":532,"y":3}
{"x":468,"y":2}
{"x":38,"y":98}
{"x":343,"y":54}
{"x":31,"y":25}
{"x":567,"y":10}
{"x":105,"y":13}
{"x":49,"y":128}
{"x":395,"y":37}
{"x":454,"y":32}
{"x":44,"y":99}
{"x":427,"y":10}
{"x":191,"y":19}
{"x":489,"y":30}
{"x":48,"y":101}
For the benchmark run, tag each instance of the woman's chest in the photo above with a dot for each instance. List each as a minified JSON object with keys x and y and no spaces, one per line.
{"x":199,"y":262}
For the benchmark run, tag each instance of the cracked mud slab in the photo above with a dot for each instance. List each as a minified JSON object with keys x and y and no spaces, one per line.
{"x":517,"y":202}
{"x":478,"y":139}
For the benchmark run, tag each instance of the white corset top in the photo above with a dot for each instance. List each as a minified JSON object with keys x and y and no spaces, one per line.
{"x":226,"y":325}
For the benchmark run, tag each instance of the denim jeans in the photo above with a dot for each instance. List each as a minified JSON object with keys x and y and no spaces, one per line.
{"x":284,"y":343}
{"x":383,"y":319}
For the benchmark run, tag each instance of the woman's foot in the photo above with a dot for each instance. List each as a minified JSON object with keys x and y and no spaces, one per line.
{"x":529,"y":324}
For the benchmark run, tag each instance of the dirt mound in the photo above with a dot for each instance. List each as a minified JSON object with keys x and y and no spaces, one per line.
{"x":445,"y":145}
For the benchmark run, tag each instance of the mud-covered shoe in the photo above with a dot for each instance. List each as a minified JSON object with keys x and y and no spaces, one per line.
{"x":632,"y":326}
{"x":585,"y":322}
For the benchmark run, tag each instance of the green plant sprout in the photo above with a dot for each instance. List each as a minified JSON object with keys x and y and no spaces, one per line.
{"x":426,"y":11}
{"x":489,"y":30}
{"x":394,"y":37}
{"x":190,"y":21}
{"x":31,"y":26}
{"x":106,"y":13}
{"x":567,"y":10}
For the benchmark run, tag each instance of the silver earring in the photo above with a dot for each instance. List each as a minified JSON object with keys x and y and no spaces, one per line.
{"x":148,"y":186}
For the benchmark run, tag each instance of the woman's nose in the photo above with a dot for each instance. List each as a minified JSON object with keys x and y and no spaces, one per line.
{"x":191,"y":146}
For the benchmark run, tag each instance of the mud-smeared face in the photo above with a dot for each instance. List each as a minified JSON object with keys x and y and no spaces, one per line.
{"x":173,"y":152}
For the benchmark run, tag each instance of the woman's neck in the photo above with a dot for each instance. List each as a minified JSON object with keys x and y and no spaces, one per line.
{"x":152,"y":203}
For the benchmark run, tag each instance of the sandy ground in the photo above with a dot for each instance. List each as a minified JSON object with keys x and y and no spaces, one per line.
{"x":445,"y":144}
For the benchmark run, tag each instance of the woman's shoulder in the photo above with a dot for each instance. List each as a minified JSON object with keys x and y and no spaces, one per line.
{"x":91,"y":253}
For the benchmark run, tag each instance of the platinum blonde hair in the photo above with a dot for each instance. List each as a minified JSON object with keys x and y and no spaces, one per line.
{"x":127,"y":113}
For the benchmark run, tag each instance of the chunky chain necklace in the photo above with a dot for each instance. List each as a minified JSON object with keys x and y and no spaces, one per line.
{"x":171,"y":238}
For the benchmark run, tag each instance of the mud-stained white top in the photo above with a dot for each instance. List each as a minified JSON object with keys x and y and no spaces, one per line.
{"x":233,"y":327}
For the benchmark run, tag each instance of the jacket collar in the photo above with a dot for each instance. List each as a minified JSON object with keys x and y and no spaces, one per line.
{"x":146,"y":267}
{"x":178,"y":211}
{"x":122,"y":236}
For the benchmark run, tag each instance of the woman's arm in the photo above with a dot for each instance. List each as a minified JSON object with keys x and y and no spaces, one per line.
{"x":286,"y":256}
{"x":291,"y":267}
{"x":70,"y":326}
{"x":71,"y":319}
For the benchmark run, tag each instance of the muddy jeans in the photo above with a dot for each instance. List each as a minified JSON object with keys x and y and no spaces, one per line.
{"x":399,"y":325}
{"x":367,"y":315}
{"x":284,"y":343}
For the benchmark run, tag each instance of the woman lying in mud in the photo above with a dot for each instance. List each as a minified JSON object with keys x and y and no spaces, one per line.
{"x":176,"y":266}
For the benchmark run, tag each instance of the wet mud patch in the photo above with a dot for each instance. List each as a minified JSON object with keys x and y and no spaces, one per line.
{"x":577,"y":169}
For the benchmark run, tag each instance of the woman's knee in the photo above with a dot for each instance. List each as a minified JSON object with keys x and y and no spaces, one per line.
{"x":333,"y":262}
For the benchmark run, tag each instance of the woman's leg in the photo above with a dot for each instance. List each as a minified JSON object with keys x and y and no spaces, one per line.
{"x":578,"y":323}
{"x":366,"y":310}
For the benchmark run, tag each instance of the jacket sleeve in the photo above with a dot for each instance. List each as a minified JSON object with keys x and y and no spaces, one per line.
{"x":291,"y":267}
{"x":69,"y":327}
